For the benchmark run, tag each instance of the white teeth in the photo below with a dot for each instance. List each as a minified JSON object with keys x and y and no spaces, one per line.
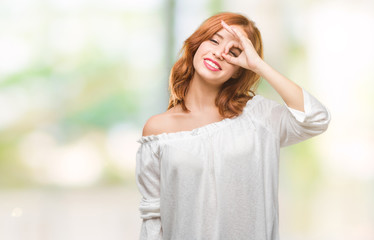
{"x":212,"y":64}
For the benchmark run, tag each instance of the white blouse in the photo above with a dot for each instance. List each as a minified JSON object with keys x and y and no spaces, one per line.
{"x":220,"y":181}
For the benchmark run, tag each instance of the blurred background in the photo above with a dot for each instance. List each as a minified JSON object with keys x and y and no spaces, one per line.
{"x":79,"y":78}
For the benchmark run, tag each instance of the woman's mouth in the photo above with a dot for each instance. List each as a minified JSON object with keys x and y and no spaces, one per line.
{"x":212,"y":65}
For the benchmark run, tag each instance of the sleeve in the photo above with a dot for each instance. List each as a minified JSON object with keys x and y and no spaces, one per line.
{"x":292,"y":126}
{"x":148,"y":183}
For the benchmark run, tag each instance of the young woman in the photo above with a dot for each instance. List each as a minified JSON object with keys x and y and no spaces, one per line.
{"x":207,"y":168}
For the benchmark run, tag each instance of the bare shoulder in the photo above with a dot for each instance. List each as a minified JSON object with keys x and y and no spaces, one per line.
{"x":158,"y":124}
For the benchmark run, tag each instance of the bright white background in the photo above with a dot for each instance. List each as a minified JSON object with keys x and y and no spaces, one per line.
{"x":78,"y":80}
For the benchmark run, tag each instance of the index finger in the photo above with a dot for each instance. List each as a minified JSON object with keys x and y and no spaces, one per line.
{"x":239,"y":34}
{"x":232,"y":44}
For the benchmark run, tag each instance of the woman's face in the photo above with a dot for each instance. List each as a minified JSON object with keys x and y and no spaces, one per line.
{"x":208,"y":61}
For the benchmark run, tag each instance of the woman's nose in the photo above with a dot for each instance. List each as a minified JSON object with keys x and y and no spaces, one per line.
{"x":218,"y":52}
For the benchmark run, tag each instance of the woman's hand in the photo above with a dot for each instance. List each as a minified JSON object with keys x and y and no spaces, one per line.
{"x":248,"y":58}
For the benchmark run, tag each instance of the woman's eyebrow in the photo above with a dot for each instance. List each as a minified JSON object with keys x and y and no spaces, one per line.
{"x":218,"y":35}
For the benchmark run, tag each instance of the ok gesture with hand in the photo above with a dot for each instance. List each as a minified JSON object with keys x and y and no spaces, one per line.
{"x":248,"y":58}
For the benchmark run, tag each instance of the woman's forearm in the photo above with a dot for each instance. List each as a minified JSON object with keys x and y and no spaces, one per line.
{"x":290,"y":92}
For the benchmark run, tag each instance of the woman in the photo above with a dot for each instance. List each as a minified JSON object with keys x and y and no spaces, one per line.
{"x":207,"y":168}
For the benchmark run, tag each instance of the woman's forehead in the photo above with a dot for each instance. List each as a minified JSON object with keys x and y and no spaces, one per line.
{"x":226,"y":34}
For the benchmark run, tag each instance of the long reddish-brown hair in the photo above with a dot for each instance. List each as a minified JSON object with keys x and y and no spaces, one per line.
{"x":235,"y":92}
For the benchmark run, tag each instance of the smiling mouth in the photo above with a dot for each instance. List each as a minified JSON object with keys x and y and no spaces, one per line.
{"x":212,"y":65}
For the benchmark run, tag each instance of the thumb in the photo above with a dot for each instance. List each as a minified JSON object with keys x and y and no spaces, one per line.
{"x":230,"y":59}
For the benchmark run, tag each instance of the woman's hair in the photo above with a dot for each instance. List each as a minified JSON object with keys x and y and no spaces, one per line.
{"x":235,"y":92}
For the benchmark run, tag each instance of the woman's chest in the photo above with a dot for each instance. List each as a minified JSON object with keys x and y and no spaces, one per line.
{"x":231,"y":149}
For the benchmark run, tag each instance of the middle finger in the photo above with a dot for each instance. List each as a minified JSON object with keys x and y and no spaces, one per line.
{"x":228,"y":28}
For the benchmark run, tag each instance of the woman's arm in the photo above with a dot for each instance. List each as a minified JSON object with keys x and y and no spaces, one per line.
{"x":301,"y":118}
{"x":291,"y":93}
{"x":148,"y":182}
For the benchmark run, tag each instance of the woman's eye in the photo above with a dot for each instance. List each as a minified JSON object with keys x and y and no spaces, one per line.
{"x":233,"y":53}
{"x":213,"y":40}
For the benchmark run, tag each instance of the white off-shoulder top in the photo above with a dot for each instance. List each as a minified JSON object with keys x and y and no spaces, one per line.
{"x":220,"y":181}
